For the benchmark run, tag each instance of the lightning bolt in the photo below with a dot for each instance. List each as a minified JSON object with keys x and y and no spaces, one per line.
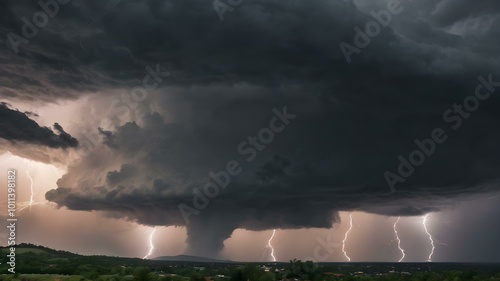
{"x":271,"y":246}
{"x":151,"y":244}
{"x":32,"y":202}
{"x":398,"y":240}
{"x":31,"y":185}
{"x":424,"y":223}
{"x":345,"y":237}
{"x":27,"y":204}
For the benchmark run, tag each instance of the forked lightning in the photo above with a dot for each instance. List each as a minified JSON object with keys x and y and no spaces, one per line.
{"x":398,"y":240}
{"x":424,"y":223}
{"x":346,"y":236}
{"x":271,"y":246}
{"x":151,"y":244}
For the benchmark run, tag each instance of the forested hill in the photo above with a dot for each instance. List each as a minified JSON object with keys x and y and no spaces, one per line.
{"x":42,"y":260}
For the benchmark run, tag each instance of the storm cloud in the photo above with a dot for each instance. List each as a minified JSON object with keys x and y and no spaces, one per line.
{"x":17,"y":126}
{"x":353,"y":119}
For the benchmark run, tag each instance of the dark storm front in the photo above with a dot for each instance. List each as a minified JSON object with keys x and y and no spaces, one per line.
{"x":454,"y":117}
{"x":11,"y":220}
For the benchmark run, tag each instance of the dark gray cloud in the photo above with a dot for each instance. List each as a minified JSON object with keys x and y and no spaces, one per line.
{"x":263,"y":42}
{"x":448,"y":12}
{"x":353,"y":120}
{"x":16,"y":126}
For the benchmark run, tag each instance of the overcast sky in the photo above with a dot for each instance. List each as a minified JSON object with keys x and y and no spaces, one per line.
{"x":218,"y":122}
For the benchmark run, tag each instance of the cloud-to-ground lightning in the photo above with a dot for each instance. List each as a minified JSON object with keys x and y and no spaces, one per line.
{"x":431,"y":239}
{"x":346,"y":236}
{"x":398,"y":240}
{"x":264,"y":255}
{"x":151,"y":244}
{"x":271,"y":246}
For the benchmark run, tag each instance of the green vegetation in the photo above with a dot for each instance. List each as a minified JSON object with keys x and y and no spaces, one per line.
{"x":37,"y":263}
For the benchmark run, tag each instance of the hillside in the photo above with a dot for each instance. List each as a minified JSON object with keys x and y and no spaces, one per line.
{"x":42,"y":260}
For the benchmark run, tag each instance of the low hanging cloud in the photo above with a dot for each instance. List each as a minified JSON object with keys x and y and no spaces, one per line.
{"x":325,"y":160}
{"x":17,"y":126}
